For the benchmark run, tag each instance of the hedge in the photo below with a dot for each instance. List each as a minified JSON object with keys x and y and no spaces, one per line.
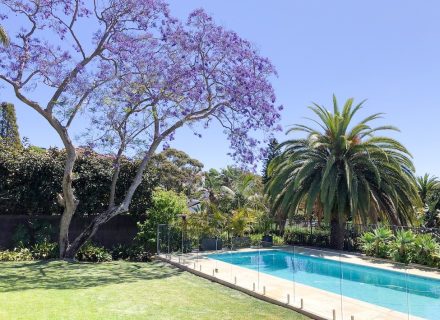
{"x":30,"y":180}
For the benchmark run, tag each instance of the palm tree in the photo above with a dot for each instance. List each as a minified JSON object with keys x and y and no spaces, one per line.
{"x":4,"y":39}
{"x":353,"y":174}
{"x":426,"y":184}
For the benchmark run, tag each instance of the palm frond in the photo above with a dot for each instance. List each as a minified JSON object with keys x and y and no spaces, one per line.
{"x":346,"y":169}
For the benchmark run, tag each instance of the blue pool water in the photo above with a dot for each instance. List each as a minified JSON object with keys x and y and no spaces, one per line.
{"x":419,"y":296}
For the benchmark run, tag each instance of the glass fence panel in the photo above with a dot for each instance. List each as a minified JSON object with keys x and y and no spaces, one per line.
{"x":423,"y":293}
{"x":229,"y":258}
{"x":374,"y":290}
{"x":330,"y":284}
{"x":317,"y":276}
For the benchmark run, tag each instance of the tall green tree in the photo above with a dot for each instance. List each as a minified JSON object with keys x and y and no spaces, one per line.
{"x":272,"y":152}
{"x":352,"y":173}
{"x":4,"y":39}
{"x":426,"y":184}
{"x":177,"y":171}
{"x":8,"y":125}
{"x":233,"y":188}
{"x":429,"y":192}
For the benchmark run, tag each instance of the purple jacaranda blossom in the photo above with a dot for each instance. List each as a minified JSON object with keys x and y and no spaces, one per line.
{"x":195,"y":72}
{"x":138,"y":74}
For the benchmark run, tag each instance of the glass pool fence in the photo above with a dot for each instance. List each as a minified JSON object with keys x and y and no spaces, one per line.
{"x":325,"y":283}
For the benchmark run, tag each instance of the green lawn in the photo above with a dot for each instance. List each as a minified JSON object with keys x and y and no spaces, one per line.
{"x":121,"y":290}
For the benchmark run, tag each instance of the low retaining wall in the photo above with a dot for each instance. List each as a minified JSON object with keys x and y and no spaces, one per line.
{"x":119,"y":230}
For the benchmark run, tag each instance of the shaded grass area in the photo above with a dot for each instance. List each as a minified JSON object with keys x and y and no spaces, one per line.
{"x":121,"y":290}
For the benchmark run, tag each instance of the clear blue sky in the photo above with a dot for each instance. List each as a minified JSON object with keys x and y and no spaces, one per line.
{"x":385,"y":51}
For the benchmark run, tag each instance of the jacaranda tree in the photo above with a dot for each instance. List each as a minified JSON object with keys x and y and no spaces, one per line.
{"x":350,"y":172}
{"x":139,"y":75}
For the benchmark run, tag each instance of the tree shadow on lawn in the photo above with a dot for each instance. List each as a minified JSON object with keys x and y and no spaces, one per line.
{"x":60,"y":275}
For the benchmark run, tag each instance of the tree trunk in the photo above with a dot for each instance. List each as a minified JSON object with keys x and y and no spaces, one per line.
{"x":281,"y":225}
{"x":90,"y":231}
{"x":114,"y":211}
{"x":68,"y":200}
{"x":337,"y":232}
{"x":115,"y":177}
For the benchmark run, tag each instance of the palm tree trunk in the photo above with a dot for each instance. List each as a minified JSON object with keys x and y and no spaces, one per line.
{"x":337,"y":232}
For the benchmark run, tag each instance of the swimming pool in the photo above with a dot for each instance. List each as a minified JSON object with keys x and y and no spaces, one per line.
{"x":416,"y":295}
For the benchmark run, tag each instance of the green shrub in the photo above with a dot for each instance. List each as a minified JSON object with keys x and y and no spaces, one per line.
{"x":92,"y":253}
{"x":367,"y":243}
{"x":134,"y":253}
{"x":32,"y":232}
{"x":264,"y":223}
{"x":376,"y":243}
{"x":18,"y":254}
{"x":257,"y":238}
{"x":207,"y":222}
{"x":165,"y":209}
{"x":402,"y":248}
{"x":45,"y":250}
{"x":30,"y":180}
{"x":278,"y":241}
{"x":240,"y":222}
{"x":405,"y":247}
{"x":426,"y":251}
{"x":303,"y":236}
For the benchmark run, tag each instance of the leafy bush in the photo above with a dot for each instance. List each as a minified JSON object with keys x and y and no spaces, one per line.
{"x":208,"y":221}
{"x":165,"y":208}
{"x":264,"y":222}
{"x":134,"y":253}
{"x":367,"y":243}
{"x":278,"y":241}
{"x":30,"y":180}
{"x":257,"y":238}
{"x":89,"y":253}
{"x":426,"y":251}
{"x":18,"y":254}
{"x":92,"y":253}
{"x":241,"y":221}
{"x":402,"y":246}
{"x":376,"y":243}
{"x":45,"y":250}
{"x":303,"y":236}
{"x":405,"y":246}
